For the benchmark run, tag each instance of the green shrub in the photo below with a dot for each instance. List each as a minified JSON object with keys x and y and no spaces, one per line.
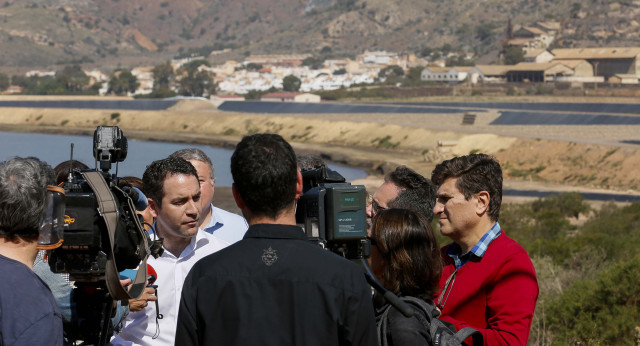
{"x":603,"y":311}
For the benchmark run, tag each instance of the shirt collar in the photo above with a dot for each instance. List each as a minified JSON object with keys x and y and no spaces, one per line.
{"x":215,"y":218}
{"x":275,"y":231}
{"x":198,"y":241}
{"x":478,"y":250}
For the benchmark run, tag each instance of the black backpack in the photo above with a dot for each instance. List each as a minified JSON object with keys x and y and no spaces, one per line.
{"x":440,"y":333}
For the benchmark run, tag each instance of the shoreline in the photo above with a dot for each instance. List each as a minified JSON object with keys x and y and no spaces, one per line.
{"x":374,"y":167}
{"x":223,"y":197}
{"x":375,"y":143}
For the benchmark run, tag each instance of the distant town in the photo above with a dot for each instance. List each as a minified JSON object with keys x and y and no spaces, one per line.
{"x":528,"y":56}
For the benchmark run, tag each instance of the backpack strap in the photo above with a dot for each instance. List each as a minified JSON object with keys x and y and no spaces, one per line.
{"x":436,"y":327}
{"x":108,"y":209}
{"x":466,"y":332}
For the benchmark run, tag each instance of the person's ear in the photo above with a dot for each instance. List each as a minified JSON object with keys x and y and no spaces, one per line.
{"x":299,"y":185}
{"x":154,"y":209}
{"x":482,"y":205}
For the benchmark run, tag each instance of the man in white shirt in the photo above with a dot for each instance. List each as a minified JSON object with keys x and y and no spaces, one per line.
{"x":227,"y":226}
{"x":174,"y":197}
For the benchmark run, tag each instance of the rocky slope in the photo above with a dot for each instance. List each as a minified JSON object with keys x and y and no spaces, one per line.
{"x":114,"y":33}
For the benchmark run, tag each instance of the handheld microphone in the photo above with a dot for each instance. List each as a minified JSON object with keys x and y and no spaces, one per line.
{"x":152,"y":276}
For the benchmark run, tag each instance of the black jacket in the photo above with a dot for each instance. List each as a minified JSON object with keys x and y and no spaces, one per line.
{"x":402,"y":330}
{"x":275,"y":287}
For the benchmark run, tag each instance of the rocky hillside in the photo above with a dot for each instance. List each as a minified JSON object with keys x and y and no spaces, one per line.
{"x":122,"y":33}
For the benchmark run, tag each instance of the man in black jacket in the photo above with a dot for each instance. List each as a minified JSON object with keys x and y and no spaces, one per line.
{"x":274,"y":287}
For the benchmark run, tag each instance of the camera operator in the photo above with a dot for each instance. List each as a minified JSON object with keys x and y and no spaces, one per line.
{"x":404,"y":188}
{"x":174,"y":195}
{"x":142,"y":205}
{"x":274,"y":287}
{"x":144,"y":212}
{"x":28,"y":312}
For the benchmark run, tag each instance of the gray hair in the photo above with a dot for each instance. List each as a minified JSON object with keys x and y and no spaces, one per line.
{"x":417,"y":193}
{"x":23,"y":185}
{"x":308,"y":162}
{"x":197,"y":155}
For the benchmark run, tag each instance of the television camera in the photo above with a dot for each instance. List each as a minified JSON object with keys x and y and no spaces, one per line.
{"x":102,"y":236}
{"x":332,"y":213}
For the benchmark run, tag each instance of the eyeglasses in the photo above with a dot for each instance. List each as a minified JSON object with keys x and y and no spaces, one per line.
{"x":376,"y":208}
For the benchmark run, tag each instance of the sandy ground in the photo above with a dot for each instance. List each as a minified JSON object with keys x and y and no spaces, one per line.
{"x":532,"y":158}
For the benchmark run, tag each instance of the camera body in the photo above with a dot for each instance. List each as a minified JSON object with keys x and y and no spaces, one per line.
{"x":333,"y":213}
{"x":85,"y":249}
{"x":102,"y":236}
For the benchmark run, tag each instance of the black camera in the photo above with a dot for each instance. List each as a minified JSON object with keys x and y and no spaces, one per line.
{"x":102,"y":236}
{"x":333,"y":213}
{"x":86,"y":247}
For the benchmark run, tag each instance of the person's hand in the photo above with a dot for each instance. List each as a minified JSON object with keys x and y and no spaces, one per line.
{"x":141,"y":302}
{"x":125,"y":282}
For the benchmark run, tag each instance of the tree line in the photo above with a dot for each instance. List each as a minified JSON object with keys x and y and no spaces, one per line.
{"x":188,"y":80}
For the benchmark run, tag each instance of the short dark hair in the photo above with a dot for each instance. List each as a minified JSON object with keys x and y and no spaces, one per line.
{"x":475,"y":173}
{"x":156,"y":173}
{"x":62,"y":169}
{"x":417,"y":193}
{"x":131,"y":181}
{"x":264,"y":171}
{"x":411,"y":252}
{"x":23,"y":185}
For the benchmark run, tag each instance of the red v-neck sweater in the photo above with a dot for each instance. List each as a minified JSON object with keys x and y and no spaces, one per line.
{"x":495,"y":294}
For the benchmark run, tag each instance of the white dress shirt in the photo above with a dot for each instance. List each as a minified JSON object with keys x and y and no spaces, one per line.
{"x":227,"y":226}
{"x":139,"y":328}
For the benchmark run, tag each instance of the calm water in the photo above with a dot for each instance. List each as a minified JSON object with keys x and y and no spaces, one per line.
{"x":56,"y":148}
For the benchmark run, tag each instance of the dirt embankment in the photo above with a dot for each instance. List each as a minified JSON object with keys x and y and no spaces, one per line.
{"x":361,"y":140}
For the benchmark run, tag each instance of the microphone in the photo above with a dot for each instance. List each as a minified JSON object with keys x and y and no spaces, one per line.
{"x":139,"y":199}
{"x":152,"y":276}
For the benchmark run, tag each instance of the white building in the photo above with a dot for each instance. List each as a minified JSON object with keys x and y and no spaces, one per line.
{"x":452,"y":75}
{"x":291,"y":97}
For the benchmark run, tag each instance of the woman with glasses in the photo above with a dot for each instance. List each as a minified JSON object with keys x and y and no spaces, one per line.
{"x":405,"y":258}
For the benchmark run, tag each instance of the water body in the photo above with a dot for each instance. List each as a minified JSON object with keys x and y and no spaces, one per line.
{"x":511,"y":113}
{"x":621,"y":108}
{"x":56,"y":148}
{"x":334,"y":107}
{"x":141,"y":105}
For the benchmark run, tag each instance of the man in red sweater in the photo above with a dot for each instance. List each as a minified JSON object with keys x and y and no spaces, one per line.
{"x":488,"y":281}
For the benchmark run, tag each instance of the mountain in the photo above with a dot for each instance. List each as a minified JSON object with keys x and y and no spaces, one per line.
{"x":123,"y":33}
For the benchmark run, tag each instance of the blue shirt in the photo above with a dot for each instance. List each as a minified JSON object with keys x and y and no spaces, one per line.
{"x":478,"y":250}
{"x":28,"y":312}
{"x":227,"y":226}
